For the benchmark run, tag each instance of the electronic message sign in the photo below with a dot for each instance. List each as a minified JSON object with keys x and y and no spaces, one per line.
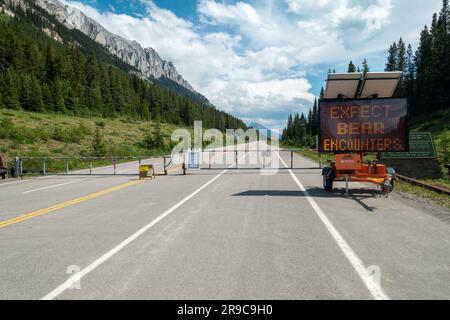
{"x":363,"y":125}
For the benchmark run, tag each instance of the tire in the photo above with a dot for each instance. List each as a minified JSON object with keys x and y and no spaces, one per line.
{"x":388,"y":188}
{"x":327,"y":183}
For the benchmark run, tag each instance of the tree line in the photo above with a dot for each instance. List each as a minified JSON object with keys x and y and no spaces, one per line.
{"x":301,"y":130}
{"x":425,"y":81}
{"x":426,"y":72}
{"x":40,"y":74}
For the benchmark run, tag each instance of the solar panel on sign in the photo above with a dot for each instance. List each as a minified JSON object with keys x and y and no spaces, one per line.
{"x":359,"y":86}
{"x":342,"y":85}
{"x":380,"y":84}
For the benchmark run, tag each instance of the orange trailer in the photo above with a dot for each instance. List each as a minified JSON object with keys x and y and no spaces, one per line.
{"x":350,"y":167}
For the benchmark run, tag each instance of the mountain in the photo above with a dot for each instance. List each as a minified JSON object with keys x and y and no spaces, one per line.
{"x":48,"y":67}
{"x":145,"y":61}
{"x":260,"y":127}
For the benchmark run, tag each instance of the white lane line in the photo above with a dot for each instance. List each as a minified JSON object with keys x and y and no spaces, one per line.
{"x":54,"y":186}
{"x":13,"y":182}
{"x":77,"y":277}
{"x":375,"y":289}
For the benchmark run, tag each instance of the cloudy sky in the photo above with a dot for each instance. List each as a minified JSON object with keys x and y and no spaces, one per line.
{"x":263,"y":59}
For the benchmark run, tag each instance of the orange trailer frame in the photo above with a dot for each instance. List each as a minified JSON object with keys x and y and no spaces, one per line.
{"x":350,"y":168}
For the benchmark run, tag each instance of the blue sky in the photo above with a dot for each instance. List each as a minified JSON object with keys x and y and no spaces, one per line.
{"x":263,"y":59}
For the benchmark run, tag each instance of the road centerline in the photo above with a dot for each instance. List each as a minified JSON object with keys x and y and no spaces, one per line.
{"x":59,"y":206}
{"x":375,"y":290}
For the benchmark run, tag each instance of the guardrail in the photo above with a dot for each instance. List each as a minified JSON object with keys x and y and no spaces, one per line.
{"x":423,"y":185}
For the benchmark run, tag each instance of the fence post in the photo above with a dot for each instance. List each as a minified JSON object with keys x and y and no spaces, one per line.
{"x":90,"y":167}
{"x":67,"y":167}
{"x":292,"y":159}
{"x":165,"y":168}
{"x":21,"y":168}
{"x":114,"y":163}
{"x":43,"y":167}
{"x":346,"y":185}
{"x":16,"y":167}
{"x":236,"y":154}
{"x":320,"y":161}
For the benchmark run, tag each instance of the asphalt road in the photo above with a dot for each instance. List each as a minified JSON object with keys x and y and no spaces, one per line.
{"x":216,"y":234}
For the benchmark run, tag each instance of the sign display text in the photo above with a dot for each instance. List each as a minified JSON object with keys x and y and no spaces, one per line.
{"x":363,"y":125}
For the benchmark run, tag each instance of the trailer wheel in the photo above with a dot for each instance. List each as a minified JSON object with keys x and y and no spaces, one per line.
{"x":327,"y":184}
{"x":387,"y":188}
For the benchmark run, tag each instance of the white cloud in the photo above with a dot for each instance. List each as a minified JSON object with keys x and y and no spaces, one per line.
{"x":217,"y":13}
{"x":251,"y":58}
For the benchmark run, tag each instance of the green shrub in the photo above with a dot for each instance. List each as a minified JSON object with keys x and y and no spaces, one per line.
{"x":19,"y":134}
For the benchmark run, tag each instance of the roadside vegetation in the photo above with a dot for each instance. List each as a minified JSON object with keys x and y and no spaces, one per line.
{"x":29,"y":134}
{"x":438,"y":198}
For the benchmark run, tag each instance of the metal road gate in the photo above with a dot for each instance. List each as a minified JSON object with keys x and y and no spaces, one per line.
{"x":80,"y":166}
{"x":245,"y":159}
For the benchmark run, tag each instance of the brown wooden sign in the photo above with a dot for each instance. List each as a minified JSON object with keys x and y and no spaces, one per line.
{"x":363,"y":125}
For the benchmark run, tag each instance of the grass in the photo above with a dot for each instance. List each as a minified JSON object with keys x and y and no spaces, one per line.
{"x":28,"y":134}
{"x":438,"y":198}
{"x":439,"y":125}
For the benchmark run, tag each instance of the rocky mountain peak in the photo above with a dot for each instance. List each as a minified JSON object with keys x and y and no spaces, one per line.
{"x":147,"y":60}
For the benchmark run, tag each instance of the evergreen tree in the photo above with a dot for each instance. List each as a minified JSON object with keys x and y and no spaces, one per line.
{"x":424,"y":67}
{"x":365,"y":66}
{"x":392,"y":63}
{"x":59,"y":104}
{"x":401,"y":58}
{"x":315,"y":119}
{"x":409,"y":79}
{"x":11,"y":90}
{"x":351,"y":67}
{"x":98,"y":146}
{"x":26,"y":94}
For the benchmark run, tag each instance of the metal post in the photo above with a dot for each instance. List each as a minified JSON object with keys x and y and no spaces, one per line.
{"x":114,"y":163}
{"x":165,"y":168}
{"x":16,"y":167}
{"x":43,"y":167}
{"x":292,"y":159}
{"x":67,"y":167}
{"x":346,"y":186}
{"x":90,"y":167}
{"x":209,"y":152}
{"x":236,"y":155}
{"x":320,"y":161}
{"x":21,"y":168}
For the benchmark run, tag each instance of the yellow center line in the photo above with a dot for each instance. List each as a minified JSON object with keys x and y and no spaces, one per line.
{"x":66,"y":204}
